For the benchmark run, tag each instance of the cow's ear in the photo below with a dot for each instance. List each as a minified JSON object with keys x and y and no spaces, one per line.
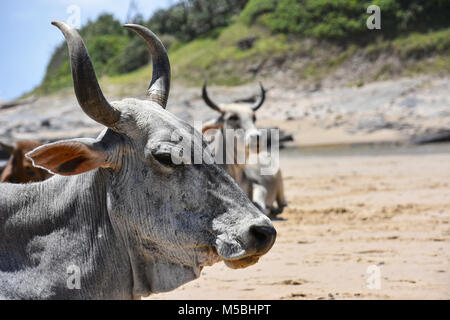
{"x":210,"y":127}
{"x":69,"y":157}
{"x":213,"y":125}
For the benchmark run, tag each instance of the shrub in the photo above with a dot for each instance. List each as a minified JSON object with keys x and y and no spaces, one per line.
{"x":254,"y":9}
{"x":345,"y":20}
{"x":189,"y":19}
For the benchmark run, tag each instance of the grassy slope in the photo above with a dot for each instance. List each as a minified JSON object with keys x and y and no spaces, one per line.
{"x":221,"y":62}
{"x":218,"y":60}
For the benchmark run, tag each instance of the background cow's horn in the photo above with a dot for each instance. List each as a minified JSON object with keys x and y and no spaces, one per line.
{"x":261,"y":99}
{"x":158,"y":90}
{"x":208,"y":101}
{"x":87,"y":90}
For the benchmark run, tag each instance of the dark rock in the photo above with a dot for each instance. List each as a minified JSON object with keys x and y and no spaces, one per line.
{"x":246,"y":43}
{"x":432,"y":136}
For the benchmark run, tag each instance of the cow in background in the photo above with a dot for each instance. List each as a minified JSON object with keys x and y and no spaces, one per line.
{"x":19,"y":169}
{"x":263,"y":190}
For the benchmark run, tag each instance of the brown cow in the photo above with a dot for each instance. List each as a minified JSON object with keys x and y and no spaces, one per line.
{"x":19,"y":169}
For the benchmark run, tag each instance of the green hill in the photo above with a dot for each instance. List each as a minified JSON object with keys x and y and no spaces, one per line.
{"x":234,"y":41}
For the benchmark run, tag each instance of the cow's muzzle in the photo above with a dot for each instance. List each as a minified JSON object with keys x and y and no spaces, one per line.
{"x":263,"y":238}
{"x":257,"y":241}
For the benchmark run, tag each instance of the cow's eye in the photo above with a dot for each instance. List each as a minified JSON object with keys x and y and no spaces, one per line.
{"x":254,"y":118}
{"x":164,"y":159}
{"x":166,"y":154}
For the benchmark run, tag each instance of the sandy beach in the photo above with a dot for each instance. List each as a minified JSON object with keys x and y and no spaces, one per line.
{"x":350,"y":214}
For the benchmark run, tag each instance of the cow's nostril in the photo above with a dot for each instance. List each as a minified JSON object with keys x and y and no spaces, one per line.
{"x":264,"y":237}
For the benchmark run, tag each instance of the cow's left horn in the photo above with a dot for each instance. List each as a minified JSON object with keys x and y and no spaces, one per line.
{"x":158,"y":90}
{"x":261,"y":99}
{"x":87,"y":90}
{"x":208,"y":101}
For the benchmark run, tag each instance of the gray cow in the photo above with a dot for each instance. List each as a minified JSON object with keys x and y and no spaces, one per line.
{"x":120,"y":220}
{"x":262,"y":189}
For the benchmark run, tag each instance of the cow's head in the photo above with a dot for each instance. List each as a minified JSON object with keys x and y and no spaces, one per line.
{"x":19,"y":169}
{"x":173,"y":218}
{"x":236,"y":120}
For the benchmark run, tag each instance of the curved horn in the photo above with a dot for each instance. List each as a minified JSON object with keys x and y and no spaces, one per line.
{"x":158,"y":90}
{"x":208,"y":101}
{"x":261,"y":99}
{"x":87,"y":90}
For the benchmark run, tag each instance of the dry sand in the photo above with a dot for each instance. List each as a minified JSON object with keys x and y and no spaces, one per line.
{"x":347,"y":213}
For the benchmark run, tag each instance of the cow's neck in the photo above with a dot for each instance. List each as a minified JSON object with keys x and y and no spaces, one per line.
{"x":52,"y":230}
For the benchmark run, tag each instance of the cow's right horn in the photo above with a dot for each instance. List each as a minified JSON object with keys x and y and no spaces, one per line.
{"x":208,"y":101}
{"x":261,"y":98}
{"x":87,"y":90}
{"x":158,"y":90}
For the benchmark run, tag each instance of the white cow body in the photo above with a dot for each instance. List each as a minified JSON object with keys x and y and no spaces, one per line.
{"x":264,"y":189}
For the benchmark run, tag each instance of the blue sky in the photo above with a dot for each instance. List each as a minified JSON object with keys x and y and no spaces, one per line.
{"x":28,"y":39}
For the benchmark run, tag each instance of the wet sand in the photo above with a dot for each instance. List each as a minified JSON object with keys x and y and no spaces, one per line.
{"x":348,"y":212}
